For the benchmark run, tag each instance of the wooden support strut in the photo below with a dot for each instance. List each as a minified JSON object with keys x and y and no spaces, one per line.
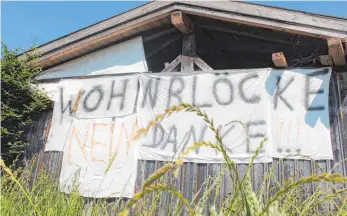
{"x":183,"y":23}
{"x":202,"y":64}
{"x":173,"y":64}
{"x":336,"y":51}
{"x":188,"y":53}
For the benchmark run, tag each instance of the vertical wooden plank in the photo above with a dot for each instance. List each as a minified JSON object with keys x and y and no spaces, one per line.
{"x":221,"y":194}
{"x":33,"y":170}
{"x":188,"y":53}
{"x":36,"y":138}
{"x":188,"y":183}
{"x":37,"y":167}
{"x":60,"y":163}
{"x":202,"y":175}
{"x":274,"y":168}
{"x":228,"y":185}
{"x":257,"y":176}
{"x":264,"y":188}
{"x":55,"y":164}
{"x":50,"y":164}
{"x":321,"y":167}
{"x":241,"y":168}
{"x":330,"y":189}
{"x":341,"y":79}
{"x":149,"y":170}
{"x":158,"y":198}
{"x":176,"y":183}
{"x":288,"y":169}
{"x":304,"y":169}
{"x":335,"y":130}
{"x":140,"y":176}
{"x":31,"y":137}
{"x":214,"y":170}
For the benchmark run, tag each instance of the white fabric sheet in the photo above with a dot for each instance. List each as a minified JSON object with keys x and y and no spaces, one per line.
{"x":299,"y":113}
{"x":290,"y":107}
{"x":90,"y":146}
{"x":225,"y":97}
{"x":99,"y":97}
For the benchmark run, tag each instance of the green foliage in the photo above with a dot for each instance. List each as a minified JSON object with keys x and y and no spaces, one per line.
{"x":20,"y":101}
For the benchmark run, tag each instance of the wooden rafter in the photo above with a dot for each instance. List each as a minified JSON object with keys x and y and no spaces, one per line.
{"x":182,"y":22}
{"x":279,"y":60}
{"x":159,"y":34}
{"x":336,"y":51}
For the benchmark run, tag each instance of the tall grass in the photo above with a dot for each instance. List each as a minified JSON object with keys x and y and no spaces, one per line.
{"x":159,"y":195}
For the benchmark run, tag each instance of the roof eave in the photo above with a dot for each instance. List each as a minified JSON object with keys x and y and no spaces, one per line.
{"x":255,"y":15}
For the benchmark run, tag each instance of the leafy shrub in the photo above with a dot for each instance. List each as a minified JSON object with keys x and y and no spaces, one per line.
{"x":20,"y":101}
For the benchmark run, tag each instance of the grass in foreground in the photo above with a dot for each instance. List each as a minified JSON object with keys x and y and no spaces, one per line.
{"x":19,"y":196}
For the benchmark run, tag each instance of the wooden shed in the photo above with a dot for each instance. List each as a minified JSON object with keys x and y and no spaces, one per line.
{"x":211,"y":35}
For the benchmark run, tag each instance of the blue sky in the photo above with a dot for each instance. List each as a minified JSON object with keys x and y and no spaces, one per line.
{"x":24,"y":24}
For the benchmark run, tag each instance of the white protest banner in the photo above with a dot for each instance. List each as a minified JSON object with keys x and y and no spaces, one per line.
{"x":101,"y":97}
{"x":224,"y":96}
{"x":94,"y":118}
{"x":299,"y":113}
{"x":91,"y":146}
{"x":290,"y":107}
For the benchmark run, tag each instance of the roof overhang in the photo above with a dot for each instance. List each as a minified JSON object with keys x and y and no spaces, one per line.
{"x":109,"y":31}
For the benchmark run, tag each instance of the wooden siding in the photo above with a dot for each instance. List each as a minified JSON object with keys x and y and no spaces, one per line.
{"x":192,"y":175}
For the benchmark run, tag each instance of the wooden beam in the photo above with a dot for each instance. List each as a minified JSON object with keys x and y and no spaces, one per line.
{"x":188,"y":52}
{"x":162,"y":46}
{"x":344,"y":44}
{"x":173,"y":64}
{"x":187,"y":64}
{"x":267,"y":17}
{"x":279,"y":60}
{"x":248,"y":34}
{"x":182,"y":22}
{"x":336,"y":51}
{"x":326,"y":60}
{"x":159,"y":34}
{"x":202,"y":64}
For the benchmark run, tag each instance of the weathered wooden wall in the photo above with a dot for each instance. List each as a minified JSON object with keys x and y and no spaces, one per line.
{"x":192,"y":175}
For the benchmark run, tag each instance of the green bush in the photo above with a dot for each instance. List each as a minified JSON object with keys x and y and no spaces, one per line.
{"x":20,"y":101}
